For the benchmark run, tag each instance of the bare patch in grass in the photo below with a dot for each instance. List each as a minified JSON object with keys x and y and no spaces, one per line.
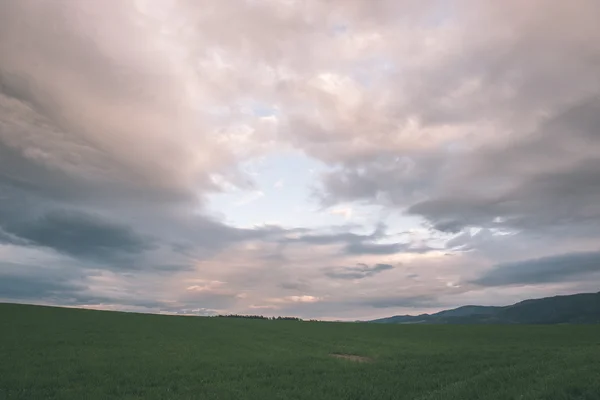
{"x":352,"y":357}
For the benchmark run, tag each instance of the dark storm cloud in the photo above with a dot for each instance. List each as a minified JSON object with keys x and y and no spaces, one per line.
{"x":81,"y":235}
{"x":561,"y":268}
{"x":8,"y":238}
{"x":360,"y":271}
{"x":20,"y":175}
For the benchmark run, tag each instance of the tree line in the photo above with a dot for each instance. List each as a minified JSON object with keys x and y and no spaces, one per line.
{"x":259,"y":317}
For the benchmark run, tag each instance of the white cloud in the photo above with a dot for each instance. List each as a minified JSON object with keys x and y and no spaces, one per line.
{"x":296,"y":299}
{"x":251,"y":197}
{"x":205,"y":286}
{"x":345,"y":212}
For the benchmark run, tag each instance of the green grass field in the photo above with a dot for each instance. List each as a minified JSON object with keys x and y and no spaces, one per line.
{"x":52,"y":353}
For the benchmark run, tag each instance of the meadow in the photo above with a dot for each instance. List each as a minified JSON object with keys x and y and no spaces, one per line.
{"x":53,"y":353}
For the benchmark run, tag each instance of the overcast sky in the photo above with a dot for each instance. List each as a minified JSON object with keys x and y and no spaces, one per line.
{"x":342,"y":159}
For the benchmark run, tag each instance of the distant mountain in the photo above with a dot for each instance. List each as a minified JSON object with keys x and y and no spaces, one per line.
{"x":581,"y":308}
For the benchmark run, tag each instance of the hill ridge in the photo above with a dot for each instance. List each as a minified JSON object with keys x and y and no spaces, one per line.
{"x":560,"y":309}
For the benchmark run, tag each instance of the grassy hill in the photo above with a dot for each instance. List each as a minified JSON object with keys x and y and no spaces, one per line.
{"x":574,"y":309}
{"x":53,"y":353}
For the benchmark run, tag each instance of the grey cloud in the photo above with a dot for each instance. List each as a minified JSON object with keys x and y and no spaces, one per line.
{"x":390,"y":179}
{"x":39,"y":158}
{"x":357,"y":244}
{"x":383,"y":249}
{"x":306,"y":236}
{"x":52,"y":199}
{"x":65,"y":285}
{"x":82,"y":235}
{"x":24,"y":181}
{"x":121,"y":238}
{"x":496,"y":127}
{"x":83,"y":118}
{"x":374,"y":248}
{"x":8,"y":238}
{"x":399,"y":301}
{"x":202,"y":234}
{"x":466,"y":241}
{"x":297,"y":286}
{"x":561,"y":268}
{"x":565,"y":198}
{"x":24,"y":282}
{"x":103,"y":116}
{"x":219,"y":301}
{"x":545,"y":178}
{"x":329,"y":238}
{"x":349,"y":307}
{"x":548,"y":178}
{"x":360,"y":271}
{"x":52,"y":292}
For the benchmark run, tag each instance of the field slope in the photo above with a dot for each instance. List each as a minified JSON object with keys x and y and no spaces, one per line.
{"x":52,"y":353}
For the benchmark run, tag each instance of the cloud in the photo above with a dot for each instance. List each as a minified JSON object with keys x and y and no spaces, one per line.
{"x":359,"y":244}
{"x":62,"y":285}
{"x":399,"y":301}
{"x":345,"y":212}
{"x":329,"y":238}
{"x":254,"y":196}
{"x":299,"y":286}
{"x":9,"y":238}
{"x":560,"y":268}
{"x":547,"y":179}
{"x":103,"y":153}
{"x":23,"y":282}
{"x":391,"y":248}
{"x":360,"y":271}
{"x":474,"y":130}
{"x":262,"y":307}
{"x":205,"y":286}
{"x":210,"y":300}
{"x":118,"y":123}
{"x":124,"y":86}
{"x":82,"y":235}
{"x":302,"y":299}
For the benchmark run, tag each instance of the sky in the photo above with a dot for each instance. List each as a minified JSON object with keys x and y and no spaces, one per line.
{"x":338,"y":160}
